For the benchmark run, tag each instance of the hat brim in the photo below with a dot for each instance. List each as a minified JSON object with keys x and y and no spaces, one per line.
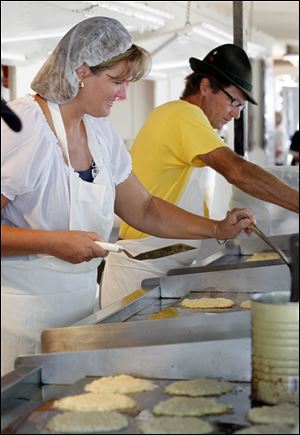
{"x":204,"y":67}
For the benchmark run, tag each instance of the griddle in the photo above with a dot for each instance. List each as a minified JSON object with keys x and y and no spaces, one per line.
{"x":35,"y":420}
{"x":160,"y":298}
{"x":189,"y":345}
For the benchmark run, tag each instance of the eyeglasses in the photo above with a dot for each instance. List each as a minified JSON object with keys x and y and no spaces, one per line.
{"x":233,"y":101}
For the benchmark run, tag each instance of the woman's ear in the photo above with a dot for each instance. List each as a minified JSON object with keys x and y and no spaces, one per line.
{"x":83,"y":71}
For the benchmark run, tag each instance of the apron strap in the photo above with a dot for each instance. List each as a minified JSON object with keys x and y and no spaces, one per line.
{"x":59,"y":128}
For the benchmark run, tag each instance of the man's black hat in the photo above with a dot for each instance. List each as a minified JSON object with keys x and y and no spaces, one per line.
{"x":11,"y":119}
{"x":228,"y":62}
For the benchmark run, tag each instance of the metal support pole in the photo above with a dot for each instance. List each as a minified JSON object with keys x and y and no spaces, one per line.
{"x":240,"y":39}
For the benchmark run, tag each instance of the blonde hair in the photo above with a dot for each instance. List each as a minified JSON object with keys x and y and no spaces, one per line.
{"x":138,"y":64}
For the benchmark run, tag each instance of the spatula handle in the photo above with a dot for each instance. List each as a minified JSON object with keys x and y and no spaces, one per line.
{"x":112,"y":247}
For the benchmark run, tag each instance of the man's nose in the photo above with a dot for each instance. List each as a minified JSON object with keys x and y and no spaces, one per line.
{"x":236,"y":112}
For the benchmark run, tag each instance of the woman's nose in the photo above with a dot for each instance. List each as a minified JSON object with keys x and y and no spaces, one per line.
{"x":122,"y":93}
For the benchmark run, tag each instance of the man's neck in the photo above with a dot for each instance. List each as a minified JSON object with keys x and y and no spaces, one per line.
{"x":194,"y":99}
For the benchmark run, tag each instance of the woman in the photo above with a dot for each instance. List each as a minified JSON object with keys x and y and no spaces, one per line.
{"x":64,"y":175}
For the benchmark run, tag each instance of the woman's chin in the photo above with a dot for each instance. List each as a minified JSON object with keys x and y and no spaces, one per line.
{"x":102,"y":113}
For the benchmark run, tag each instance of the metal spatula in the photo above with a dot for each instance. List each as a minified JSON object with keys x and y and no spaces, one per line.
{"x":148,"y":255}
{"x":266,"y":239}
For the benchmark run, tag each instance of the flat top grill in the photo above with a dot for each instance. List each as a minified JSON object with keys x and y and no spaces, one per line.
{"x":171,"y":307}
{"x":178,"y":343}
{"x":35,"y":421}
{"x":159,"y":299}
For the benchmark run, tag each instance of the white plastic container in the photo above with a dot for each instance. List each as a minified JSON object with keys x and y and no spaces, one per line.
{"x":275,"y":348}
{"x":271,"y":218}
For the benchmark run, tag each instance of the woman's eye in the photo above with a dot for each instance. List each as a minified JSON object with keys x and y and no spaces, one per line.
{"x":118,"y":83}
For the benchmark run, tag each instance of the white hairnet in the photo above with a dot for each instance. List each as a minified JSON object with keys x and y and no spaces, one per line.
{"x":92,"y":41}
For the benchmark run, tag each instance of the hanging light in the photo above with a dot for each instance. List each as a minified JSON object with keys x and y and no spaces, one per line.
{"x":146,"y":16}
{"x":292,"y":55}
{"x":184,"y":35}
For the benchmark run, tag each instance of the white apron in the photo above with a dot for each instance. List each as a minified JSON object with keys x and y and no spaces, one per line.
{"x":47,"y":292}
{"x":122,"y":275}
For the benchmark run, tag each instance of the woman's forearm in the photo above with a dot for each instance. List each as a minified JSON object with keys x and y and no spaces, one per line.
{"x":166,"y":220}
{"x":24,"y":241}
{"x":71,"y":246}
{"x":163,"y":219}
{"x":160,"y":218}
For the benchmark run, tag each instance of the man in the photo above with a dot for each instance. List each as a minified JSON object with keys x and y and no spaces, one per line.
{"x":294,"y":148}
{"x":281,"y":140}
{"x":172,"y":149}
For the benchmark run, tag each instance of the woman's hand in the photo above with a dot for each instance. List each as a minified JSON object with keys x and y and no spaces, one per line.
{"x":236,"y":221}
{"x":75,"y":246}
{"x":72,"y":246}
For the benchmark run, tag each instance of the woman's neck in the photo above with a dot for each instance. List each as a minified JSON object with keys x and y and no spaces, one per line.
{"x":79,"y":152}
{"x":72,"y":115}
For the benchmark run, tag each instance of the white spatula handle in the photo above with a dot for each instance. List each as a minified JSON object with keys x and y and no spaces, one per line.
{"x":110,"y":246}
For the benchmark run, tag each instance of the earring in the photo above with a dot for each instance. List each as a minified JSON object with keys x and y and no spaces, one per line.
{"x":81,"y":84}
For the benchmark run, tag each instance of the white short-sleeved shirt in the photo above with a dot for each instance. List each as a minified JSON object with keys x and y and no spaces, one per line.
{"x":34,"y":175}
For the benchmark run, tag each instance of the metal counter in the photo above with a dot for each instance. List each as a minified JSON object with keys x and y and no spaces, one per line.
{"x":149,"y":334}
{"x":157,"y":307}
{"x":225,"y":270}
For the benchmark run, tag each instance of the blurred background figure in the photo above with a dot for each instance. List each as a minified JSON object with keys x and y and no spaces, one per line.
{"x":294,"y":148}
{"x":11,"y":119}
{"x":281,"y":140}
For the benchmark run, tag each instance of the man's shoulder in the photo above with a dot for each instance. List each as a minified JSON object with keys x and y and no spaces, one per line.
{"x":176,"y":108}
{"x":175,"y":105}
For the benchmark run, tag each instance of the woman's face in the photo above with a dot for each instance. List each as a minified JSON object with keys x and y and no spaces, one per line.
{"x":101,"y":91}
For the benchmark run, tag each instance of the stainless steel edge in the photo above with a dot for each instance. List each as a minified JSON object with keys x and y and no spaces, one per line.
{"x":196,"y":327}
{"x":228,"y":359}
{"x":223,"y":265}
{"x":14,"y":381}
{"x":122,"y":309}
{"x":248,"y":279}
{"x":252,"y":244}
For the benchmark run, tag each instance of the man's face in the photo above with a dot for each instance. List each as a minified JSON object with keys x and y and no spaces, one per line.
{"x":223,"y":106}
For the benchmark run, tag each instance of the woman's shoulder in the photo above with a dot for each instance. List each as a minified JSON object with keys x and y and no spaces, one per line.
{"x":22,"y":103}
{"x":35,"y":131}
{"x":28,"y":111}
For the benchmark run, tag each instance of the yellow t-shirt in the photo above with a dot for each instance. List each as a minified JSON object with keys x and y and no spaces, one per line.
{"x":167,"y":148}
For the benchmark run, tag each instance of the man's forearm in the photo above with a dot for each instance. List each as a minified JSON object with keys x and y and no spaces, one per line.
{"x":263,"y":185}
